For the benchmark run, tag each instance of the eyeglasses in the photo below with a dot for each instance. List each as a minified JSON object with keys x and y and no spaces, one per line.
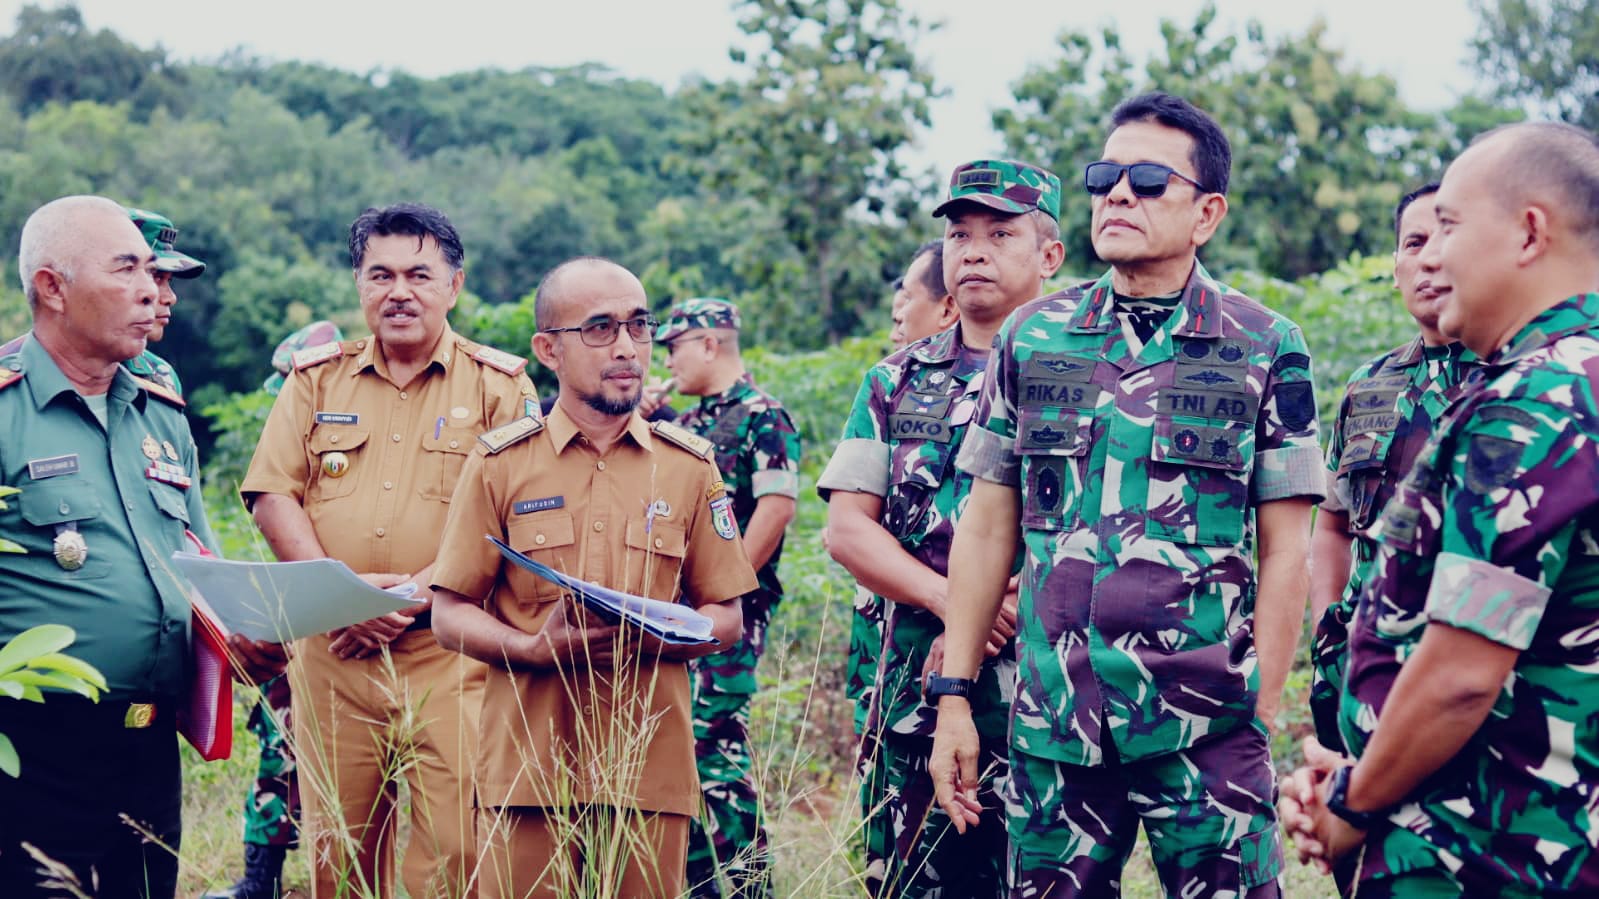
{"x":1147,"y":179}
{"x":603,"y":331}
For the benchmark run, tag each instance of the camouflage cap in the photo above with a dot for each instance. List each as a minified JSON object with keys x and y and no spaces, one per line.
{"x":160,"y":234}
{"x":700,"y":312}
{"x":1005,"y":185}
{"x":314,"y":334}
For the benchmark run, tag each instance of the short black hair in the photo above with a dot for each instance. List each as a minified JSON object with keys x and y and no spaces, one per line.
{"x":933,"y":278}
{"x":1560,"y":160}
{"x":1212,"y":155}
{"x":410,"y":219}
{"x":1431,"y":187}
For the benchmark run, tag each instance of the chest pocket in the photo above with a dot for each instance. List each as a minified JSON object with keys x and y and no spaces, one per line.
{"x":1199,"y":480}
{"x":442,"y":459}
{"x":551,"y":538}
{"x":655,"y":559}
{"x":174,"y":508}
{"x":1368,"y":432}
{"x":922,"y":431}
{"x":46,"y":505}
{"x":1053,"y":443}
{"x":337,"y":455}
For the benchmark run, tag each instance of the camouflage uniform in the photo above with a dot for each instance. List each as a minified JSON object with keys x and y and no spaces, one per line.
{"x":1495,"y":531}
{"x":757,"y":451}
{"x":272,"y":810}
{"x":1140,"y":445}
{"x":1389,"y":408}
{"x":899,"y":443}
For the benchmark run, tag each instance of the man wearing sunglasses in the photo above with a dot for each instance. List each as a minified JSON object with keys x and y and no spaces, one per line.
{"x":1142,"y":436}
{"x":893,"y":493}
{"x":757,"y":452}
{"x":586,"y":782}
{"x":357,"y":462}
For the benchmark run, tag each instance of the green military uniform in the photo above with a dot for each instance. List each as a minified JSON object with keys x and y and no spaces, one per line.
{"x":1390,"y":406}
{"x":1141,"y":434}
{"x":1495,"y":531}
{"x":757,"y":452}
{"x":102,"y":508}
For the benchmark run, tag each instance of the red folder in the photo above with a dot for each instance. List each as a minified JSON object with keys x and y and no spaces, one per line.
{"x":206,"y":720}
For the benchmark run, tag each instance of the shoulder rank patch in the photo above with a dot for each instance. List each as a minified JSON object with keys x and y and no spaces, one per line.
{"x":9,"y":377}
{"x":505,"y":435}
{"x":316,"y":355}
{"x":156,"y":389}
{"x":684,"y":438}
{"x":500,"y":360}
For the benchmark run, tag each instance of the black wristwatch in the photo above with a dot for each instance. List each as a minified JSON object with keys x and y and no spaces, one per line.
{"x":938,"y":685}
{"x":1337,"y":796}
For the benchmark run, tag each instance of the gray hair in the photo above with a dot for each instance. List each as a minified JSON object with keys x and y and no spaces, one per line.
{"x":52,"y":238}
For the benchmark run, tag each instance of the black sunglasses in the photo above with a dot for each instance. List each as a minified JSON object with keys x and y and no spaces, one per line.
{"x":603,"y":331}
{"x":1148,"y":179}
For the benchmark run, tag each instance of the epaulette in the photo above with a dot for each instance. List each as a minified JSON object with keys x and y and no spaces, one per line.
{"x":505,"y":435}
{"x":316,"y":355}
{"x":161,"y":390}
{"x":685,"y":438}
{"x":9,"y":377}
{"x":500,"y":360}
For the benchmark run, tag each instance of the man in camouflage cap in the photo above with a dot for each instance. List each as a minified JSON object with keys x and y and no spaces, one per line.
{"x":893,"y":493}
{"x":169,"y":263}
{"x":757,"y":451}
{"x":1476,"y":630}
{"x":1138,"y":434}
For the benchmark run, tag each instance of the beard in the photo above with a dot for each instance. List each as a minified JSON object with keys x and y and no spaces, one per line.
{"x":605,"y":405}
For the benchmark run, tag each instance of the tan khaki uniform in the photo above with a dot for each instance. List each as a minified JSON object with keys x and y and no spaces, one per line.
{"x":374,"y":464}
{"x":637,"y":518}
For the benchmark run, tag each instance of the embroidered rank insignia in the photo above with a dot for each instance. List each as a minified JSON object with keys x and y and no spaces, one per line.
{"x":505,"y":435}
{"x":500,"y":360}
{"x":157,"y":389}
{"x":722,"y":518}
{"x":316,"y":355}
{"x":684,"y":438}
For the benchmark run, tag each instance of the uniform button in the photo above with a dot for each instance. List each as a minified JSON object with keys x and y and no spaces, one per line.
{"x":454,"y":444}
{"x":334,"y":439}
{"x":380,"y":532}
{"x":600,"y":465}
{"x":128,"y":506}
{"x":588,"y":711}
{"x":388,"y":485}
{"x":599,"y":526}
{"x":404,"y":395}
{"x":395,"y":438}
{"x":64,"y":508}
{"x":658,"y":543}
{"x":360,"y":344}
{"x":539,"y":540}
{"x":170,"y":626}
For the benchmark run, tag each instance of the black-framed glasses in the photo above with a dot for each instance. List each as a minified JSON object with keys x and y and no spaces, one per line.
{"x":1147,"y":179}
{"x":603,"y":331}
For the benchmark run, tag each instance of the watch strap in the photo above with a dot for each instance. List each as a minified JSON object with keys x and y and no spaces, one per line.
{"x":938,"y":685}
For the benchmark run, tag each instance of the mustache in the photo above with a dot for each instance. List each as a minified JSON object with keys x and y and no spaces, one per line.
{"x":622,"y":368}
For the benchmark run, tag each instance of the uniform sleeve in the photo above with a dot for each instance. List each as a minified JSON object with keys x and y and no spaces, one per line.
{"x":1288,"y":460}
{"x":468,"y":564}
{"x":1521,"y":476}
{"x":281,"y":463}
{"x":775,"y":451}
{"x":988,"y":449}
{"x":860,"y":463}
{"x":715,"y":568}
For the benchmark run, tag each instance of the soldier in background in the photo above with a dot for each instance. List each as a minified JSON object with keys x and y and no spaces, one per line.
{"x":757,"y":451}
{"x":922,"y":304}
{"x":893,"y":495}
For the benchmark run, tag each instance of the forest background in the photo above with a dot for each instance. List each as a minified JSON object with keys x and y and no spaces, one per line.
{"x":784,"y":188}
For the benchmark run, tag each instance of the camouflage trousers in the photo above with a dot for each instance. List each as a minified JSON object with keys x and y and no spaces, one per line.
{"x":912,"y":849}
{"x":1329,"y":655}
{"x":272,"y":810}
{"x":1208,"y":812}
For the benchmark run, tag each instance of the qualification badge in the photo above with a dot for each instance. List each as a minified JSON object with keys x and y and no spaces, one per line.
{"x":70,"y":549}
{"x":170,"y":450}
{"x":150,"y":448}
{"x":334,"y":465}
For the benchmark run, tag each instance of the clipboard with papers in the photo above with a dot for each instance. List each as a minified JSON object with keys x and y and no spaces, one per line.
{"x":669,"y":622}
{"x":283,"y":601}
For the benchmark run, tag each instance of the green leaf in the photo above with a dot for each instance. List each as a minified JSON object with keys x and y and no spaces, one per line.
{"x":9,"y":763}
{"x":53,"y":679}
{"x":35,"y":641}
{"x":8,"y":491}
{"x":9,"y":546}
{"x":7,"y":688}
{"x":76,"y":668}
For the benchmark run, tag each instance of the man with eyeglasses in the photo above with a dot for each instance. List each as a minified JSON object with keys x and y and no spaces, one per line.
{"x":586,"y":782}
{"x":357,"y":462}
{"x":1142,"y":436}
{"x":757,"y":452}
{"x":893,"y":493}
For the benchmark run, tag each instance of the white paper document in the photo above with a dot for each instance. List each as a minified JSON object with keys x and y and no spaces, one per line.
{"x":669,"y":621}
{"x":281,"y":601}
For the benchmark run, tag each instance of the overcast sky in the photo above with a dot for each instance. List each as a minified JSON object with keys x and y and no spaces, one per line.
{"x":983,"y":47}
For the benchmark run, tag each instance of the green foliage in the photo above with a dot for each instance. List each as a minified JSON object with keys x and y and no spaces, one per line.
{"x":53,"y":56}
{"x":31,"y":663}
{"x":1543,"y":54}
